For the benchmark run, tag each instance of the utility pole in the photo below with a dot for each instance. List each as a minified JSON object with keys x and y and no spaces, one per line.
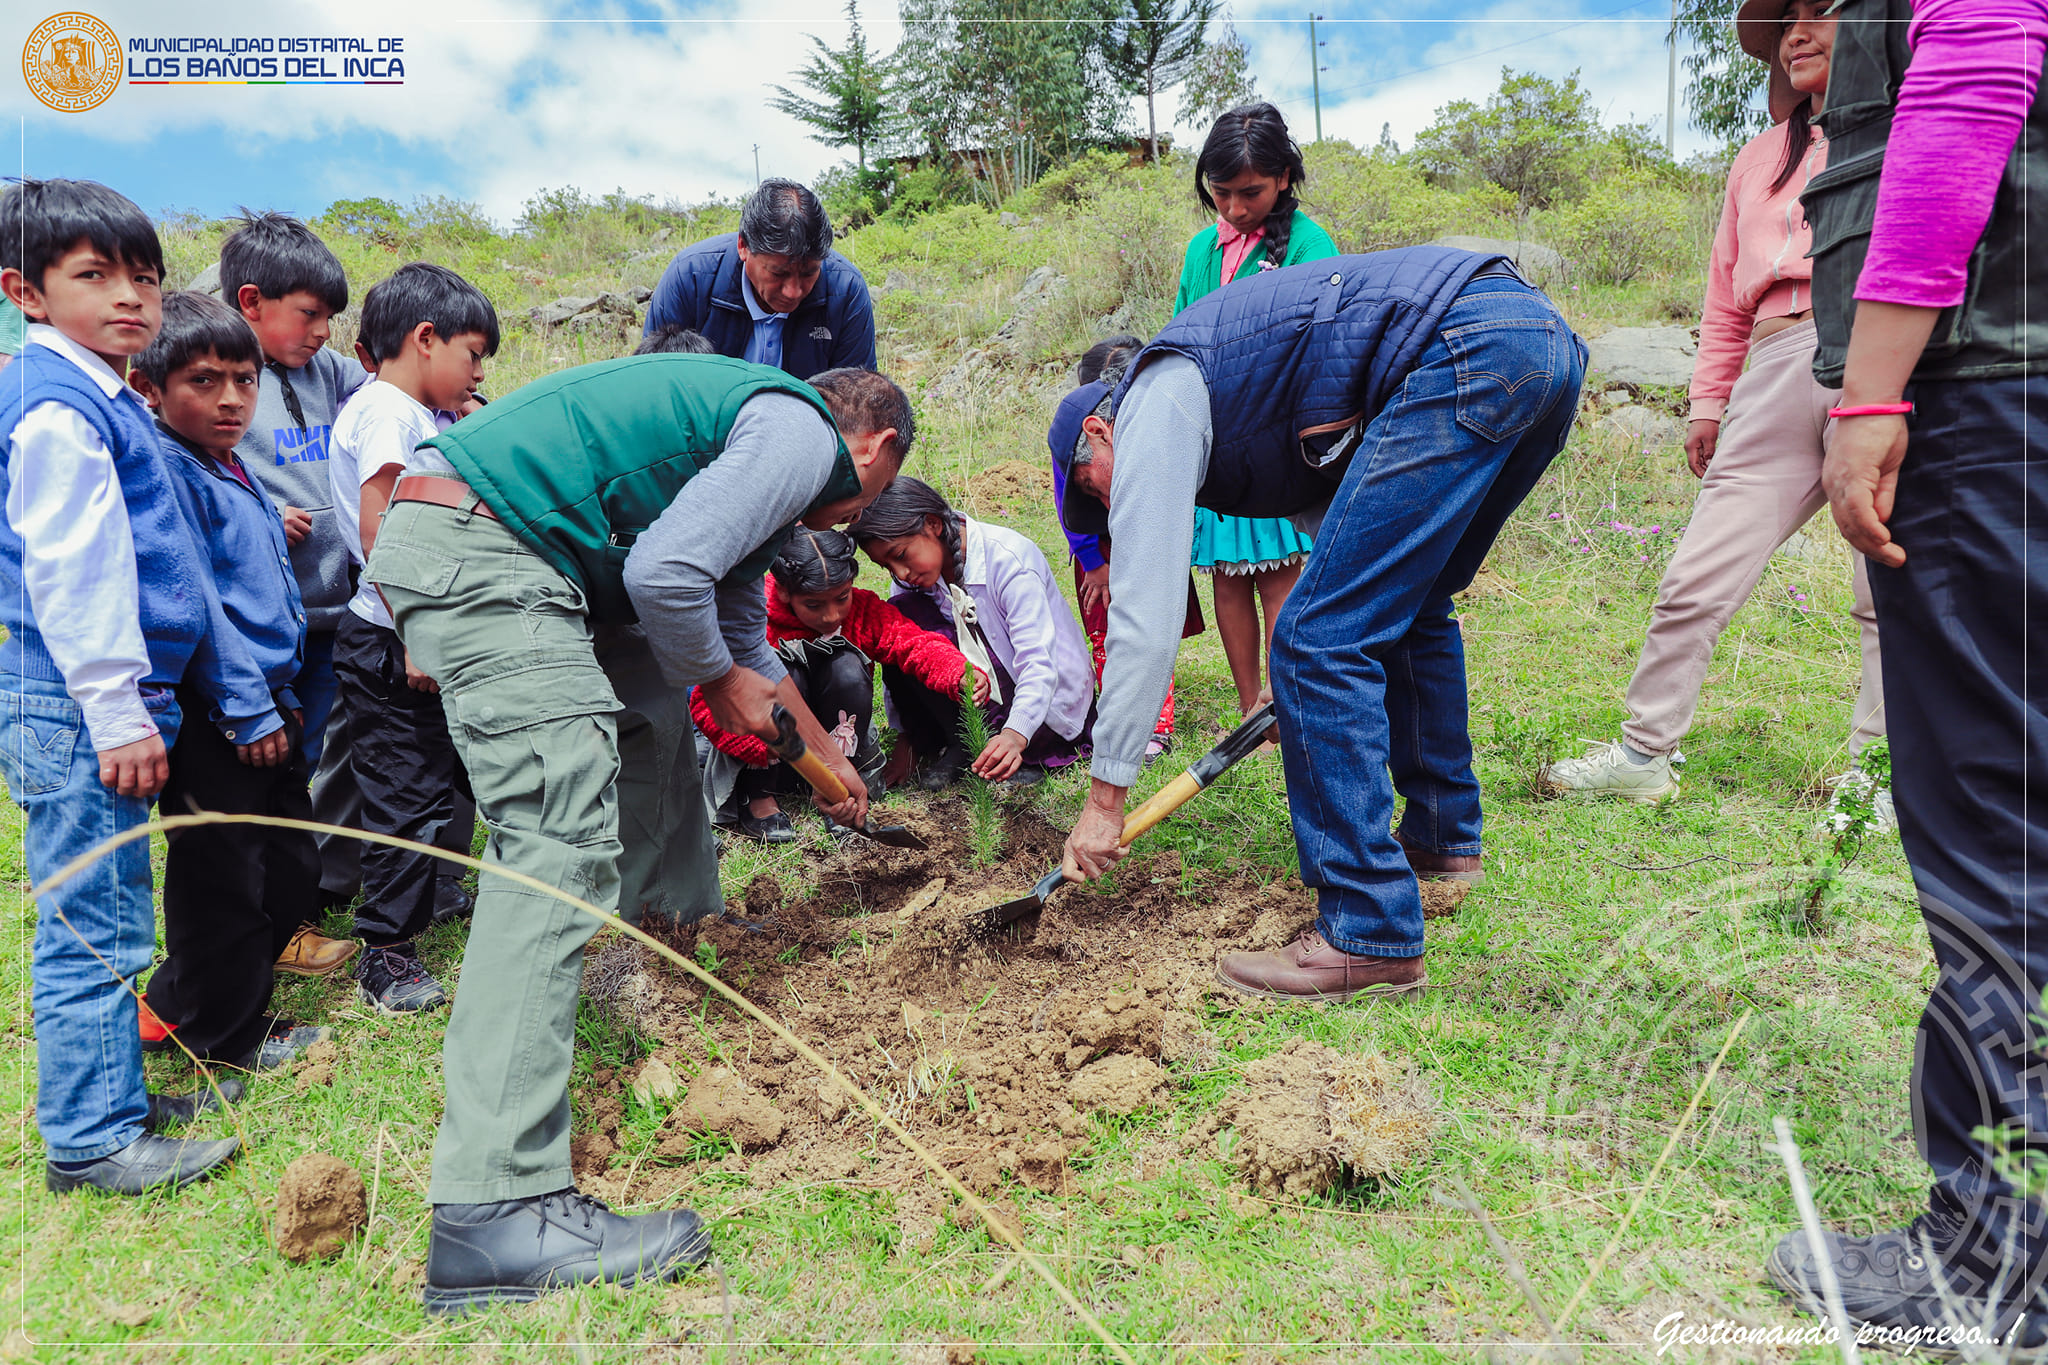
{"x":757,"y":160}
{"x":1671,"y":87}
{"x":1315,"y":70}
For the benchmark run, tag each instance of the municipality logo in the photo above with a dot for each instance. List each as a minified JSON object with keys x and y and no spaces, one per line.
{"x":71,"y":62}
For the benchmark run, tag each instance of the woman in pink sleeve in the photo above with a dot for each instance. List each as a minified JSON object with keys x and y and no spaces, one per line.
{"x":1758,"y":436}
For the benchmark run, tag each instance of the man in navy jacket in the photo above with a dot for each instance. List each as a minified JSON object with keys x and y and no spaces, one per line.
{"x":774,"y":293}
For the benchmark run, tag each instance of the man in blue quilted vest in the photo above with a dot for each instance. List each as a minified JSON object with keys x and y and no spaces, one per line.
{"x":1399,"y":406}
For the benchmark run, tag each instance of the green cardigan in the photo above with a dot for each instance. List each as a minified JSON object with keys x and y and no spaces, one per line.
{"x":1202,"y":272}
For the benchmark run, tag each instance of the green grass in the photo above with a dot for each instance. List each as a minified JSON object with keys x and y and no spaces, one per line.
{"x":1576,"y":1001}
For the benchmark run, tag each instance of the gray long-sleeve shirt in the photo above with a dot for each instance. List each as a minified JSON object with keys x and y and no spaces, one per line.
{"x":777,"y":460}
{"x":1162,"y":434}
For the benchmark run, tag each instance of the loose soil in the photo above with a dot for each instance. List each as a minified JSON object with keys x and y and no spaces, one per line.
{"x":320,"y":1205}
{"x":1011,"y":485}
{"x":991,"y":1052}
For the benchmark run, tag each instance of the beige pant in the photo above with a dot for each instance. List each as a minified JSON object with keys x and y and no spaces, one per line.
{"x":1763,"y":484}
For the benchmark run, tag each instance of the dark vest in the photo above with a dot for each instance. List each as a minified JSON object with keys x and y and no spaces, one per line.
{"x":577,"y":465}
{"x":1296,"y":358}
{"x":2001,"y":326}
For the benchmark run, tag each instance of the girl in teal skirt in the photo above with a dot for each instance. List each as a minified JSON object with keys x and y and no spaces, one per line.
{"x":1247,"y":176}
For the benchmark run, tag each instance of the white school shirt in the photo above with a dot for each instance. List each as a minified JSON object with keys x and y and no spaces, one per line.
{"x":78,"y":555}
{"x":380,"y":425}
{"x":1030,"y":628}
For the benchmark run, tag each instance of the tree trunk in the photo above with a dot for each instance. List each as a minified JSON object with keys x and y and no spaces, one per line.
{"x":1151,"y":116}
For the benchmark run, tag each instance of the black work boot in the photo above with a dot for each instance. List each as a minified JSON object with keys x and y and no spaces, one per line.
{"x":1890,"y":1294}
{"x":148,"y":1163}
{"x":515,"y":1251}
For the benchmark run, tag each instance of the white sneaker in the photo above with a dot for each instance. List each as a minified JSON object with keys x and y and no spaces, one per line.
{"x":1608,"y":769}
{"x":1883,"y":818}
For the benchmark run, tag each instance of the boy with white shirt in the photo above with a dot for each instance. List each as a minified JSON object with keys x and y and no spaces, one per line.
{"x":428,"y":330}
{"x":106,"y":604}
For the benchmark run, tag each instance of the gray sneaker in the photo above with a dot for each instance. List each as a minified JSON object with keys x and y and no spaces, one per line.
{"x":394,"y":981}
{"x":282,"y":1048}
{"x":1607,"y":770}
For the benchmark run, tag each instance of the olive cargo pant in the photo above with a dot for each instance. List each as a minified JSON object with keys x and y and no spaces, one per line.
{"x":537,"y":722}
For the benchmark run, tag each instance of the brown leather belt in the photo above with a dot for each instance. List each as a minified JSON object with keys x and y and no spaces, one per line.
{"x":432,"y":488}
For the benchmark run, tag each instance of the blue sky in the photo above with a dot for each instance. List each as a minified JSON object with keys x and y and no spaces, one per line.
{"x":504,"y":98}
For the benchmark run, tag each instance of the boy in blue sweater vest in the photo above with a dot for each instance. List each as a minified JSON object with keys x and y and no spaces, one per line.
{"x":106,"y":606}
{"x":234,"y":895}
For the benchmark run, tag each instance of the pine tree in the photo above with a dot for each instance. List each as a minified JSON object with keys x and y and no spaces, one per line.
{"x":1155,"y":45}
{"x":1218,"y":80}
{"x":851,"y":85}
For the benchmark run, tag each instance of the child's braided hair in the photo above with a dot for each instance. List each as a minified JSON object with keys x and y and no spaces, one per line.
{"x":901,"y":510}
{"x":815,"y":561}
{"x":1254,"y":137}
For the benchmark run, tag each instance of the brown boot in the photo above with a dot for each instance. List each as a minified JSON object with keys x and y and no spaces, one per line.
{"x":312,"y":953}
{"x":1440,"y":867}
{"x":1310,"y":969}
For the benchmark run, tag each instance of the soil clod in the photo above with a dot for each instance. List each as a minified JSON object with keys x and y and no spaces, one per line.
{"x":320,"y":1205}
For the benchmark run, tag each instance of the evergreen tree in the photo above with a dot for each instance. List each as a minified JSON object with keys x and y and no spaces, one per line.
{"x":1218,"y":80}
{"x":851,"y":85}
{"x":1155,"y":45}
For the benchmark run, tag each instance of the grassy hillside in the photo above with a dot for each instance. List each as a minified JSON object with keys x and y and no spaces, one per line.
{"x":1577,"y":1000}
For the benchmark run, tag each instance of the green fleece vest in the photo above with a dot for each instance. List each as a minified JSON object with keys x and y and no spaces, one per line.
{"x":2001,"y":326}
{"x":577,"y":465}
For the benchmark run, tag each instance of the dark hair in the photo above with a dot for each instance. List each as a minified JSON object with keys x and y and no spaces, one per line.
{"x":1107,"y":359}
{"x":1253,"y":137}
{"x":195,"y":325}
{"x":419,"y":293}
{"x":863,"y":401}
{"x":900,"y":511}
{"x":815,"y":561}
{"x":675,"y":339}
{"x":1798,"y":137}
{"x":782,"y":218}
{"x":40,"y":220}
{"x":279,"y":255}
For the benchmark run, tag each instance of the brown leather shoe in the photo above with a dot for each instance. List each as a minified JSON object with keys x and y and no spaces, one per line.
{"x":1310,"y":969}
{"x":1440,"y":867}
{"x":312,"y":953}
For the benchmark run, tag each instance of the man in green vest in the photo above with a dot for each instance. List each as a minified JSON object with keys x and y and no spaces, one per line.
{"x":1930,"y":300}
{"x":612,"y":509}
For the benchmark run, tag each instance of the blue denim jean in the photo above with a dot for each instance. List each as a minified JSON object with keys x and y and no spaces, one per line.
{"x":315,"y":688}
{"x":1368,"y":663}
{"x":90,"y":1096}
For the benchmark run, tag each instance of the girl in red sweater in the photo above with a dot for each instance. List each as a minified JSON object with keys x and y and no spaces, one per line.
{"x":830,"y":635}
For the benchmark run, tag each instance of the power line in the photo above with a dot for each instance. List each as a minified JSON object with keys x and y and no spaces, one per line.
{"x":1487,"y":52}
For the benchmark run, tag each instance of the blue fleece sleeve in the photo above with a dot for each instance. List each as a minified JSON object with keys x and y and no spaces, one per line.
{"x":222,"y":667}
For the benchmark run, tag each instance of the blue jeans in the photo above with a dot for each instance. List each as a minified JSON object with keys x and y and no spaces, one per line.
{"x":316,"y":687}
{"x":90,"y":1096}
{"x":1368,"y":664}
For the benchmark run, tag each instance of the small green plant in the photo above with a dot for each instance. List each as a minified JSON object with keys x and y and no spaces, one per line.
{"x":985,"y":831}
{"x":707,"y":956}
{"x":1852,"y":815}
{"x":1529,"y":743}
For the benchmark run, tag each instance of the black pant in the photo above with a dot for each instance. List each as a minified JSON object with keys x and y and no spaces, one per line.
{"x":233,"y":894}
{"x":406,"y":769}
{"x":1969,"y":737}
{"x":834,"y":682}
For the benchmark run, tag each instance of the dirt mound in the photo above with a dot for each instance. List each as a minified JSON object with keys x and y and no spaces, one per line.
{"x":992,"y":1052}
{"x":316,"y":1067}
{"x":1011,"y":485}
{"x":320,"y":1204}
{"x":1309,"y":1118}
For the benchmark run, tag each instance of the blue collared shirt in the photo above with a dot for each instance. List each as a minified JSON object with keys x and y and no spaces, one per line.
{"x":764,"y":347}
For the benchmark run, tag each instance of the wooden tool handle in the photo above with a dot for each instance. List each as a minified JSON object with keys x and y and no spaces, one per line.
{"x":791,"y":749}
{"x":1159,"y":805}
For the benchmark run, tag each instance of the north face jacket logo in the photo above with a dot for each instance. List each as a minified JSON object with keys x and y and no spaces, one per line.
{"x":821,"y":334}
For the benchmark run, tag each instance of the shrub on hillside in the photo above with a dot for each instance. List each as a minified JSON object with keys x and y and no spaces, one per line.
{"x":927,"y":189}
{"x":854,"y":197}
{"x":1623,"y":228}
{"x":1369,"y":202}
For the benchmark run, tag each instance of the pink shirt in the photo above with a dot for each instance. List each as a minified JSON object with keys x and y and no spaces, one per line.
{"x":1758,"y":268}
{"x":1236,"y":246}
{"x":1961,"y":106}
